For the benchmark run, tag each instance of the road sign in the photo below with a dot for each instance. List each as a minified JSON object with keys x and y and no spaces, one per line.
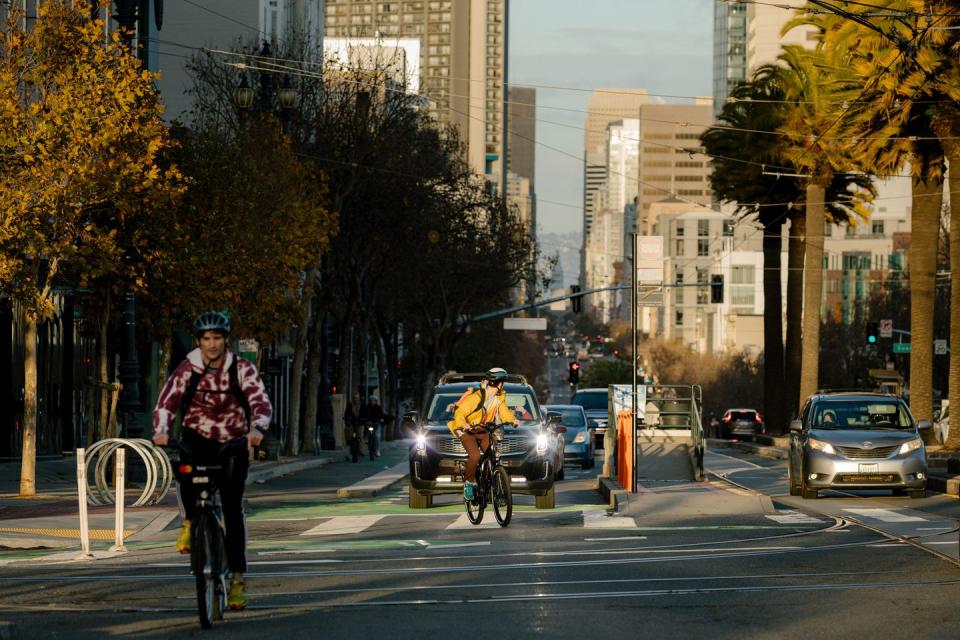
{"x":650,"y":259}
{"x":525,"y":324}
{"x":901,"y":347}
{"x":649,"y":296}
{"x":939,"y":347}
{"x":886,"y":328}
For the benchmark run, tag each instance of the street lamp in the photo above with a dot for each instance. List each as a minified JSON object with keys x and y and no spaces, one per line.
{"x":247,"y":99}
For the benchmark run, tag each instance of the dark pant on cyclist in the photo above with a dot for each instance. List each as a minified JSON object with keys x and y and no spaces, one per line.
{"x":205,"y":452}
{"x":474,"y":443}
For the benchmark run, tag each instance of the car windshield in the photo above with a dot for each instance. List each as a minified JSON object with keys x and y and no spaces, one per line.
{"x":442,"y":406}
{"x":569,"y":417}
{"x":743,"y":415}
{"x":861,"y":414}
{"x":591,"y":400}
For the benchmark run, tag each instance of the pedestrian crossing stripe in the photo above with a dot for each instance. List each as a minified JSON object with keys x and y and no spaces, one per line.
{"x":794,"y":517}
{"x":95,"y":534}
{"x":885,"y":515}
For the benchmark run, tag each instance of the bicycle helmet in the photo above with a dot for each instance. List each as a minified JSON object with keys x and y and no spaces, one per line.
{"x":496,"y":375}
{"x":211,"y":321}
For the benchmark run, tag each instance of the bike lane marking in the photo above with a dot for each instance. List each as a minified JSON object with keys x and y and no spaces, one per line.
{"x":342,"y":525}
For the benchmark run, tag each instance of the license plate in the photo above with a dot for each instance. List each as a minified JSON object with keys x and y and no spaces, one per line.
{"x":205,"y":479}
{"x":869,"y":468}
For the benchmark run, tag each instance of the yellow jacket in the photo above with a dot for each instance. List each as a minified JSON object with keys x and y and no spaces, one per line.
{"x":469,"y":411}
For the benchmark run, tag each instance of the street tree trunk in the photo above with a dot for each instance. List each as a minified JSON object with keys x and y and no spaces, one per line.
{"x":163,"y":367}
{"x":773,"y":380}
{"x":104,"y":367}
{"x":313,"y":379}
{"x":28,"y":468}
{"x":812,"y":291}
{"x":794,"y":352}
{"x":924,"y":230}
{"x":292,"y":447}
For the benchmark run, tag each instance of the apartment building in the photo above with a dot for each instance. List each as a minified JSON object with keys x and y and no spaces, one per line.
{"x":462,"y":62}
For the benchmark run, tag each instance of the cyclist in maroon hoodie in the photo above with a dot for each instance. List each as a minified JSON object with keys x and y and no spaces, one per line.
{"x":221,"y":398}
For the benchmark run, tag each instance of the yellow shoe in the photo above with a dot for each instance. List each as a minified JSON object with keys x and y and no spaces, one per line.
{"x":237,"y":598}
{"x":183,"y":540}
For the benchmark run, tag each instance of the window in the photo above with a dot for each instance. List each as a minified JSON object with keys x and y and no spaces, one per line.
{"x":727,"y":228}
{"x":679,"y":250}
{"x":688,"y":136}
{"x":703,"y":247}
{"x":688,"y":164}
{"x":680,"y":229}
{"x":851,"y":230}
{"x":703,"y":228}
{"x":678,"y":318}
{"x":678,"y":292}
{"x":689,"y":178}
{"x":876,"y":227}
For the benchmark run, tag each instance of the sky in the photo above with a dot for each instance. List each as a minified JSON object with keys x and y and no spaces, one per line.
{"x":663,"y":46}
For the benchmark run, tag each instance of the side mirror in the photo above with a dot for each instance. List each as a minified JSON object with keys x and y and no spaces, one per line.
{"x":554,"y":418}
{"x":796,"y":426}
{"x":923,"y":425}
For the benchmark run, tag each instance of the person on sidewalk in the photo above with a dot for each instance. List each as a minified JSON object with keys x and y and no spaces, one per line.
{"x":485,"y":405}
{"x":372,"y":413}
{"x":220,"y":397}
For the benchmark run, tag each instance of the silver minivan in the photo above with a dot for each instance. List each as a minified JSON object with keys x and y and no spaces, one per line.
{"x":856,"y":441}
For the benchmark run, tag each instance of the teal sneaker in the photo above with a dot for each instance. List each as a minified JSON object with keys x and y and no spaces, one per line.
{"x":469,"y":491}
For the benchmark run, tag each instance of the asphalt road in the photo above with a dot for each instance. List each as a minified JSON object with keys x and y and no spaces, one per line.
{"x":683,"y":559}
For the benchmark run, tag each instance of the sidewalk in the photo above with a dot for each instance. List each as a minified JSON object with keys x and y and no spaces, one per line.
{"x":50,"y":520}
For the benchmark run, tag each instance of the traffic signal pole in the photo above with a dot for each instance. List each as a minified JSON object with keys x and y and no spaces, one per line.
{"x":634,"y":322}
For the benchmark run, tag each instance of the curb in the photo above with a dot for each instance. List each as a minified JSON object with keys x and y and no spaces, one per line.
{"x":256,"y":475}
{"x":611,"y":490}
{"x":946,"y":484}
{"x":377,"y":483}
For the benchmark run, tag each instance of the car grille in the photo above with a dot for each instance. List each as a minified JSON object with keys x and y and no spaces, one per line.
{"x":509,"y":445}
{"x":866,"y":478}
{"x":857,"y":453}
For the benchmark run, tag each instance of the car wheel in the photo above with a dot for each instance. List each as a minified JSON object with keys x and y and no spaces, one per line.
{"x":794,"y":489}
{"x":417,"y":501}
{"x":918,"y":493}
{"x":548,"y":501}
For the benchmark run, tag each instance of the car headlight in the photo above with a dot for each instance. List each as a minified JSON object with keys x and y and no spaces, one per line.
{"x":580,"y":437}
{"x":911,"y":445}
{"x":817,"y":445}
{"x":542,"y":442}
{"x":421,"y":443}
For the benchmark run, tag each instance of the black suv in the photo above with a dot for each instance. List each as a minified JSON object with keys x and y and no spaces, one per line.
{"x":532,"y":454}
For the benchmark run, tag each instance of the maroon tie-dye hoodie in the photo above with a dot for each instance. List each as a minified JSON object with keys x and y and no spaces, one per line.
{"x":215,"y":412}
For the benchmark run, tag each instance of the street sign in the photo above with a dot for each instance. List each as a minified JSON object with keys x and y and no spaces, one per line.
{"x":649,"y":259}
{"x":939,"y":347}
{"x":901,"y":347}
{"x":650,"y":296}
{"x":525,"y":324}
{"x":886,"y":328}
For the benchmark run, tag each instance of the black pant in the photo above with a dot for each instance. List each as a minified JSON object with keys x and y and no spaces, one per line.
{"x":230,"y":486}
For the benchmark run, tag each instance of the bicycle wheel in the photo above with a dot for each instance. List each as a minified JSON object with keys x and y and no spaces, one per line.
{"x":475,"y":508}
{"x":502,"y":496}
{"x":206,"y":564}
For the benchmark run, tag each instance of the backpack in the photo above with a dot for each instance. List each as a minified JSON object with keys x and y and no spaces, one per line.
{"x":187,"y":399}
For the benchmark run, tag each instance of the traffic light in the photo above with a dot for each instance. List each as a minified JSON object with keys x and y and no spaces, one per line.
{"x":873,"y":332}
{"x":716,"y":288}
{"x":574,"y":372}
{"x":576,"y":301}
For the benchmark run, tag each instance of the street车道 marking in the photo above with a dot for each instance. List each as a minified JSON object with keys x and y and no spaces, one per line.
{"x":599,"y":519}
{"x":794,"y":517}
{"x":885,"y":515}
{"x":341,"y":525}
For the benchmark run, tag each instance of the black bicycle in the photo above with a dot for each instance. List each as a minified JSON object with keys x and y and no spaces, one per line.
{"x":208,"y":557}
{"x":493,"y":482}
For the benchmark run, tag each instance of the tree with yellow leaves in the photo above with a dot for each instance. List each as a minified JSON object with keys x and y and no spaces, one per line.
{"x":80,"y":137}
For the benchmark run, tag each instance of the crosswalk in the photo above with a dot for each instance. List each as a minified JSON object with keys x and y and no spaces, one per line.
{"x":355,"y":524}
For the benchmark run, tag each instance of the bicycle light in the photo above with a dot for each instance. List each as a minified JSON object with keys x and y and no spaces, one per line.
{"x":185,"y":468}
{"x":421,"y":443}
{"x":542,"y":442}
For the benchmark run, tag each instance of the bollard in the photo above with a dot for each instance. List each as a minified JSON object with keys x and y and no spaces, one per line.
{"x":119,"y":482}
{"x":82,"y":496}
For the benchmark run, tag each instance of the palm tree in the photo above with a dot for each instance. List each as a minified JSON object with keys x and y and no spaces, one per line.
{"x":750,"y":171}
{"x":900,"y":91}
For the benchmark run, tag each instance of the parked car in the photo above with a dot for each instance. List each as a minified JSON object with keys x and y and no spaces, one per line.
{"x":594,"y":403}
{"x":741,"y":423}
{"x":856,"y":441}
{"x":532,"y":454}
{"x":579,"y":446}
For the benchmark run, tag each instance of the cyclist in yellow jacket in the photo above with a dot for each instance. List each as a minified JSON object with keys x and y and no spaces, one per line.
{"x":485,"y":405}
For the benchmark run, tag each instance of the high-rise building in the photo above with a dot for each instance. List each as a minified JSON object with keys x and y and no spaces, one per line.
{"x":765,"y":23}
{"x":462,"y":61}
{"x":729,"y":49}
{"x":671,"y":164}
{"x":603,"y":107}
{"x":522,"y":124}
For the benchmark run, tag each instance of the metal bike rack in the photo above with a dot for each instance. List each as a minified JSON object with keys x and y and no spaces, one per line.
{"x":158,"y":469}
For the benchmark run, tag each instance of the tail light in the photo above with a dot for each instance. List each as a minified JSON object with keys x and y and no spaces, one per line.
{"x":759,"y":419}
{"x":727,"y":418}
{"x":185,"y":468}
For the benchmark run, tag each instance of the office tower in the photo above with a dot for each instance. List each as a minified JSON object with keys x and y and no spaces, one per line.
{"x":729,"y":50}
